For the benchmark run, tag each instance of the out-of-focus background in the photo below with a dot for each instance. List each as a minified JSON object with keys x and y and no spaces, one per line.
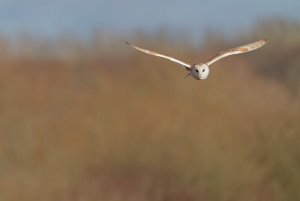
{"x":84,"y":117}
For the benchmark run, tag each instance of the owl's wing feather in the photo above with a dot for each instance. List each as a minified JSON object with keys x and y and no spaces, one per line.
{"x":187,"y":66}
{"x":238,"y":50}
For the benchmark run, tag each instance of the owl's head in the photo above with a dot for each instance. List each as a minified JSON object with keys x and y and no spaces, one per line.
{"x":200,"y":71}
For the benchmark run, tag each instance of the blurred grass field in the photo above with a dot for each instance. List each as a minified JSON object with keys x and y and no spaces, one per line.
{"x":92,"y":120}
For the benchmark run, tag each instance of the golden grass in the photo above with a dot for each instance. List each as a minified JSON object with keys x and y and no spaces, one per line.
{"x":131,"y":128}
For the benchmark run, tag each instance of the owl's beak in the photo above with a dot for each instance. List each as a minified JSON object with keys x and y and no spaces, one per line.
{"x":187,"y":75}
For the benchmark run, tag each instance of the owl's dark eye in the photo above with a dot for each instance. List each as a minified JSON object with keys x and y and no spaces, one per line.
{"x":203,"y":70}
{"x":197,"y":71}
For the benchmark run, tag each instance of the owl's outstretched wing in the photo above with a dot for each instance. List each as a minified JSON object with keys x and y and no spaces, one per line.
{"x":186,"y":65}
{"x":238,"y":50}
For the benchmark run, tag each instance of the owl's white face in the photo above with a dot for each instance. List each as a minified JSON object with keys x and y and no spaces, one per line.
{"x":200,"y":71}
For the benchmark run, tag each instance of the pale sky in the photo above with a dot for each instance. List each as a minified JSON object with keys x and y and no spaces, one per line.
{"x":48,"y":18}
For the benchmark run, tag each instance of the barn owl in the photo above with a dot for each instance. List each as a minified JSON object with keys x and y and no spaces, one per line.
{"x":200,"y":71}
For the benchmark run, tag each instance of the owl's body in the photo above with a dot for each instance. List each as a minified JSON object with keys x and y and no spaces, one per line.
{"x":200,"y":71}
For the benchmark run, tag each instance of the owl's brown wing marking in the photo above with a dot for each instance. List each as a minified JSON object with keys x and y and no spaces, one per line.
{"x":238,"y":50}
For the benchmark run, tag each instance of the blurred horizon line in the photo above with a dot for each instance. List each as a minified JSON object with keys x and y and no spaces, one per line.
{"x":172,"y":31}
{"x":106,"y":42}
